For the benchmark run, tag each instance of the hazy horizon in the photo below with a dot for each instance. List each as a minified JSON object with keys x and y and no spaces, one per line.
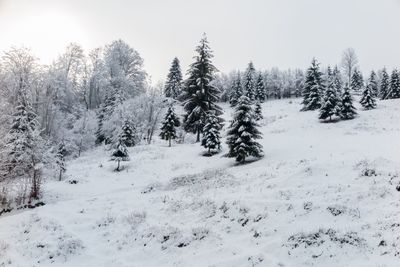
{"x":284,"y":34}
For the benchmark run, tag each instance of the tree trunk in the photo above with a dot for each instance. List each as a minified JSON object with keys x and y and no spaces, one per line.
{"x":118,"y":165}
{"x":198,"y":134}
{"x":169,"y":139}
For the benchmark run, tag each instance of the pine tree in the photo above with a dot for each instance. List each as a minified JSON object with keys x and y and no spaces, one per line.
{"x":128,"y":134}
{"x":313,"y":88}
{"x":347,"y":111}
{"x":211,"y":136}
{"x":331,"y":103}
{"x":368,"y":100}
{"x":394,"y":89}
{"x":337,"y":81}
{"x":24,"y":146}
{"x":258,"y":112}
{"x":173,"y":85}
{"x":60,"y":160}
{"x":384,"y":86}
{"x":260,"y":88}
{"x":374,"y":84}
{"x":249,"y":82}
{"x":243,"y":133}
{"x":171,"y":121}
{"x":119,"y":154}
{"x":236,"y":91}
{"x":199,"y":95}
{"x":113,"y":98}
{"x":357,"y":81}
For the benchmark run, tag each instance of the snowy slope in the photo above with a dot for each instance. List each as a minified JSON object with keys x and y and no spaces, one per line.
{"x":324,"y":195}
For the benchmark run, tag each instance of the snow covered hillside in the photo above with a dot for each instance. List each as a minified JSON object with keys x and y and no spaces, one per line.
{"x":325,"y":194}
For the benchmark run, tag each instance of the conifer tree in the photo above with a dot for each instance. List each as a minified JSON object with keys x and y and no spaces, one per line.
{"x":211,"y":136}
{"x":347,"y":110}
{"x":119,"y":154}
{"x":171,"y":121}
{"x":374,"y":83}
{"x":313,"y":88}
{"x":113,"y":98}
{"x":128,"y":134}
{"x":24,"y":146}
{"x":357,"y":81}
{"x":60,"y":160}
{"x":199,"y":95}
{"x":384,"y":85}
{"x":260,"y":88}
{"x":331,"y":103}
{"x":367,"y":99}
{"x":243,"y":133}
{"x":236,"y":91}
{"x":394,"y":89}
{"x":258,"y":112}
{"x":173,"y":85}
{"x":337,"y":81}
{"x":249,"y":82}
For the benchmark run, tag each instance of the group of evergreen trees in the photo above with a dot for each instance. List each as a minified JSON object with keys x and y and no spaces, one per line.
{"x":251,"y":85}
{"x":199,"y":98}
{"x":326,"y":93}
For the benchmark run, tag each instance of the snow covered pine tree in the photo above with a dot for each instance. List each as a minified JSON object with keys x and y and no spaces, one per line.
{"x":367,"y":99}
{"x":128,"y":134}
{"x":236,"y":91}
{"x":330,"y":104}
{"x":173,"y":85}
{"x":199,"y":95}
{"x":211,"y":136}
{"x":347,"y":110}
{"x":120,"y":154}
{"x":249,"y":82}
{"x":313,"y":88}
{"x":243,"y":133}
{"x":258,"y":112}
{"x":60,"y":160}
{"x":384,"y":86}
{"x":169,"y":124}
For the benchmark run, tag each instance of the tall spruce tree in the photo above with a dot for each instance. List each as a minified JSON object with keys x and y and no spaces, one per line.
{"x":260,"y":89}
{"x":199,"y":95}
{"x":347,"y":110}
{"x":243,"y":133}
{"x":374,"y":83}
{"x":173,"y":85}
{"x":60,"y":160}
{"x":211,"y":136}
{"x":357,"y":81}
{"x":394,"y":89}
{"x":384,"y":85}
{"x":24,"y":146}
{"x":313,"y":88}
{"x":249,"y":84}
{"x":236,"y":90}
{"x":168,"y":128}
{"x":331,"y":103}
{"x":367,"y":99}
{"x":128,"y":134}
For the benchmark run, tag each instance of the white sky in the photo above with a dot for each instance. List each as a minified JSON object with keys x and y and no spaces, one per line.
{"x":283,"y":33}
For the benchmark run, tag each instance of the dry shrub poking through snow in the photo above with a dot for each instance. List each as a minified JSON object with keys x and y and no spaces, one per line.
{"x":135,"y":218}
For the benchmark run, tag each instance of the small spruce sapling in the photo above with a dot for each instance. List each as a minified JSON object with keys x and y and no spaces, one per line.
{"x":60,"y":160}
{"x":211,"y":136}
{"x":368,"y":100}
{"x":120,"y":154}
{"x":128,"y":134}
{"x":243,"y":133}
{"x":258,"y":112}
{"x":168,"y":128}
{"x":347,"y":110}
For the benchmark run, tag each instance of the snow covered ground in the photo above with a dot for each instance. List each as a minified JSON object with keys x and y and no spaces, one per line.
{"x":323,"y":195}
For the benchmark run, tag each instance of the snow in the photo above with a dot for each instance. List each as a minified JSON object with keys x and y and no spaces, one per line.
{"x":323,"y":195}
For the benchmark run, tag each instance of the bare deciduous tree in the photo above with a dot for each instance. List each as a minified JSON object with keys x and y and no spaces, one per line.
{"x":349,"y":62}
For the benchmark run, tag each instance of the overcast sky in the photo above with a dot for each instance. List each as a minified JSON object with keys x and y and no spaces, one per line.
{"x":283,"y":33}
